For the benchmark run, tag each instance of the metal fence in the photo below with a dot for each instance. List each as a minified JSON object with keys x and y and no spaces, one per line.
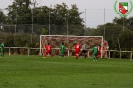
{"x":92,"y":18}
{"x":10,"y":51}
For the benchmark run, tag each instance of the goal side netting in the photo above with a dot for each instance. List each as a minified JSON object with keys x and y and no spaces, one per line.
{"x":56,"y":40}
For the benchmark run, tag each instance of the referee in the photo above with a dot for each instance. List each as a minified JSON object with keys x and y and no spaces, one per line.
{"x":84,"y":52}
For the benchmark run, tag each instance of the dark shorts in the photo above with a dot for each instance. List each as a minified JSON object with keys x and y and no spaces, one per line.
{"x":94,"y":54}
{"x":62,"y":51}
{"x":83,"y":51}
{"x":2,"y":50}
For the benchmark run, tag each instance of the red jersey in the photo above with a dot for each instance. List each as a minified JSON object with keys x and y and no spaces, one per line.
{"x":48,"y":47}
{"x":77,"y":47}
{"x":99,"y":51}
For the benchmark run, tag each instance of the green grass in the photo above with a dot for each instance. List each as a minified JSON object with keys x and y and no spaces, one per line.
{"x":37,"y":72}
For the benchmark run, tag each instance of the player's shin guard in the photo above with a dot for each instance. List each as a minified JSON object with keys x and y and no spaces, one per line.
{"x":94,"y":57}
{"x":52,"y":55}
{"x":77,"y":55}
{"x":62,"y":55}
{"x":44,"y":54}
{"x":85,"y":55}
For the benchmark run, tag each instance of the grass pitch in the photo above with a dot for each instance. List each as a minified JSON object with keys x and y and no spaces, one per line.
{"x":38,"y":72}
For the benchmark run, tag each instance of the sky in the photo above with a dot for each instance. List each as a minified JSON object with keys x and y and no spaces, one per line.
{"x":96,"y":12}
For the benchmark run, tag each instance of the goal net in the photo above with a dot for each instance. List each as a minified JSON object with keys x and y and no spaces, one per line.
{"x":69,"y":41}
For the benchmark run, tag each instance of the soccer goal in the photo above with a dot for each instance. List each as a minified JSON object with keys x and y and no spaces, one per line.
{"x":69,"y":41}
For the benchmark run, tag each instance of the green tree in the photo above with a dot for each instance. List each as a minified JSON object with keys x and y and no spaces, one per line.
{"x":59,"y":20}
{"x":20,"y":11}
{"x":112,"y":31}
{"x":129,"y":23}
{"x":126,"y":40}
{"x":125,"y":22}
{"x":2,"y":17}
{"x":76,"y":22}
{"x":20,"y":14}
{"x":89,"y":31}
{"x":44,"y":31}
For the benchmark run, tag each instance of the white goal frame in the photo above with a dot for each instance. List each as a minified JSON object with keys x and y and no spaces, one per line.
{"x":67,"y":36}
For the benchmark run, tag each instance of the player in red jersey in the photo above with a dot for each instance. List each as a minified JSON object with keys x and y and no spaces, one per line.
{"x":77,"y":50}
{"x":99,"y":51}
{"x":48,"y":50}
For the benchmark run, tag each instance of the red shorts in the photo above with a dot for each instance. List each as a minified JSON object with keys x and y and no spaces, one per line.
{"x":77,"y":51}
{"x":99,"y":54}
{"x":48,"y":52}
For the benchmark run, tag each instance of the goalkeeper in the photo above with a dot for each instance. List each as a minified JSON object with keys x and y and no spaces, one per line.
{"x":62,"y":50}
{"x":2,"y":49}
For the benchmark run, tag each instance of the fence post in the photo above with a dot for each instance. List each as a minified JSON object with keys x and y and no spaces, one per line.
{"x":120,"y":54}
{"x":28,"y":51}
{"x":131,"y":56}
{"x":9,"y":51}
{"x":109,"y":54}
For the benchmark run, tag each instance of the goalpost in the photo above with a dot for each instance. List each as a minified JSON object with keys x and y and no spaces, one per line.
{"x":56,"y":40}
